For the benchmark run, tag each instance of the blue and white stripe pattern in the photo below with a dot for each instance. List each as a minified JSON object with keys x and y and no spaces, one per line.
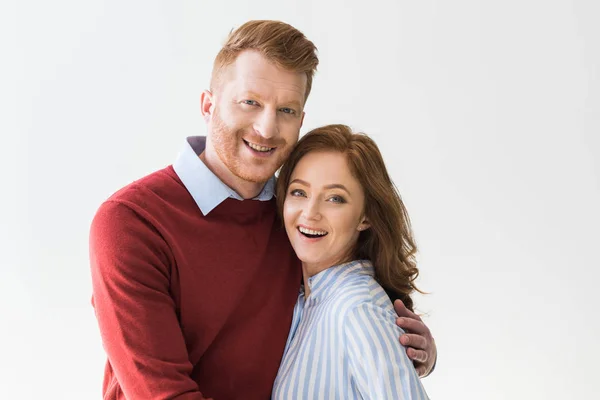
{"x":343,"y":343}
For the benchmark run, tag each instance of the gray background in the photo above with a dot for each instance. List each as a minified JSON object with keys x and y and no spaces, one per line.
{"x":488,"y":115}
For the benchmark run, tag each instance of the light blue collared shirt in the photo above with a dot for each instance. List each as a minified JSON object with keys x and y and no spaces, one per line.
{"x":205,"y":187}
{"x":343,"y":343}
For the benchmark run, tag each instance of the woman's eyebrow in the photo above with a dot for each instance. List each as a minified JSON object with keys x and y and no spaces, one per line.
{"x":337,"y":186}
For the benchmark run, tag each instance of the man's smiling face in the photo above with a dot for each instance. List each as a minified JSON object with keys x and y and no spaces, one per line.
{"x":254,"y":116}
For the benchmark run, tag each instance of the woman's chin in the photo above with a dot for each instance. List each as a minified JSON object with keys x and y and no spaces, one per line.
{"x":308,"y":258}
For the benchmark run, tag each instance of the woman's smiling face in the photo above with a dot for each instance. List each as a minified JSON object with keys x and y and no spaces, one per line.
{"x":323,"y":210}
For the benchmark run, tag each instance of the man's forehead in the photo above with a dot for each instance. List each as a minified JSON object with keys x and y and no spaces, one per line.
{"x":254,"y":71}
{"x":257,"y":83}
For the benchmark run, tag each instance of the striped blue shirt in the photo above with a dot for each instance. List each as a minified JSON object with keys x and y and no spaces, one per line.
{"x":343,"y":343}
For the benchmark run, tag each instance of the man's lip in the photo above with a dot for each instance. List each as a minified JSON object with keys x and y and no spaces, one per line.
{"x":259,"y":144}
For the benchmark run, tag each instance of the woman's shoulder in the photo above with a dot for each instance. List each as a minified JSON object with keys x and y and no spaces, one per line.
{"x":362,"y":296}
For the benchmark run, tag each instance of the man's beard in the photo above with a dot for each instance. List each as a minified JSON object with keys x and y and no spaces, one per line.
{"x":227,"y":143}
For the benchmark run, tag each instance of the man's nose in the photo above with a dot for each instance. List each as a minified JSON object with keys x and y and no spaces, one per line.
{"x":266,"y":125}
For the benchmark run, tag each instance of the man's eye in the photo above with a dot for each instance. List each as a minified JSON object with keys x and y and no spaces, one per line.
{"x":250,"y":102}
{"x":337,"y":199}
{"x":287,"y":110}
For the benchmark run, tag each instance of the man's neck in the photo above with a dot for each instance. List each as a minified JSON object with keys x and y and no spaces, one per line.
{"x":247,"y":190}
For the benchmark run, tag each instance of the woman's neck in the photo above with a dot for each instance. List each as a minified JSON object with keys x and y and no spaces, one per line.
{"x":305,"y":277}
{"x":309,"y":270}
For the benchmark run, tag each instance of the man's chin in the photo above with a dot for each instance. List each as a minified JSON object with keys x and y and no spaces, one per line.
{"x":255,"y":176}
{"x":256,"y":173}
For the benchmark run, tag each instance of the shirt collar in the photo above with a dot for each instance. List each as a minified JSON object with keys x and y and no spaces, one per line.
{"x":322,"y":283}
{"x":207,"y":190}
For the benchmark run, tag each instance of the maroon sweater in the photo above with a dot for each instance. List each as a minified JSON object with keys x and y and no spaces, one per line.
{"x":188,"y":303}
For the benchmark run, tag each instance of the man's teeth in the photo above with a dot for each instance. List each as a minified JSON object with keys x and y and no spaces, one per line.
{"x":259,"y":148}
{"x":311,"y":232}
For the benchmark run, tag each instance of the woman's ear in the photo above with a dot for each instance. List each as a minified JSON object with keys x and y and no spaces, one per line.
{"x":364,"y":225}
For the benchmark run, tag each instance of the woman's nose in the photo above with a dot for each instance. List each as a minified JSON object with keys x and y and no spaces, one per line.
{"x":312,"y":212}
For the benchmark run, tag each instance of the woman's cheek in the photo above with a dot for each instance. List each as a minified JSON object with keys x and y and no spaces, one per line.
{"x":291,"y":210}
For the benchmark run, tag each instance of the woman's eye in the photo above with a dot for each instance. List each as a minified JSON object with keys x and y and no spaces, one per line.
{"x":297,"y":192}
{"x":337,"y":199}
{"x":250,"y":102}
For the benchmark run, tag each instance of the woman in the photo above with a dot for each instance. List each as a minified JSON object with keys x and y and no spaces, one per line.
{"x":350,"y":229}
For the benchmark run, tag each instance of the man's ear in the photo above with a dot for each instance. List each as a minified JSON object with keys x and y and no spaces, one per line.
{"x":207,"y":105}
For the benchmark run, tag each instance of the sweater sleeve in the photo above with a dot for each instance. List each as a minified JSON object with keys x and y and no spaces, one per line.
{"x":378,"y":367}
{"x":135,"y":312}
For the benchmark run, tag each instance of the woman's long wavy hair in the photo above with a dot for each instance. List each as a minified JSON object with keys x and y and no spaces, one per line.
{"x":388,"y":243}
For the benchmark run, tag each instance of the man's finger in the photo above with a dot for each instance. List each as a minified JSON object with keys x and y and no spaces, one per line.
{"x":421,"y":370}
{"x":416,"y":355}
{"x":412,"y":325}
{"x":402,"y":311}
{"x":415,"y":341}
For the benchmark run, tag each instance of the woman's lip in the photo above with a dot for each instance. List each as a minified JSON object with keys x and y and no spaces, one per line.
{"x":305,"y":238}
{"x":308,"y":227}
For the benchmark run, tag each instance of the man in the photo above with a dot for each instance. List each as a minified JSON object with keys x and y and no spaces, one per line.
{"x":194,"y":279}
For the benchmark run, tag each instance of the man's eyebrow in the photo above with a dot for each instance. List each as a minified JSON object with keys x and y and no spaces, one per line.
{"x":249,"y":93}
{"x":294,"y":104}
{"x":287,"y":103}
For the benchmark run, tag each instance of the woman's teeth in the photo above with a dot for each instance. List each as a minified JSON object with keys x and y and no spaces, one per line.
{"x":311,"y":232}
